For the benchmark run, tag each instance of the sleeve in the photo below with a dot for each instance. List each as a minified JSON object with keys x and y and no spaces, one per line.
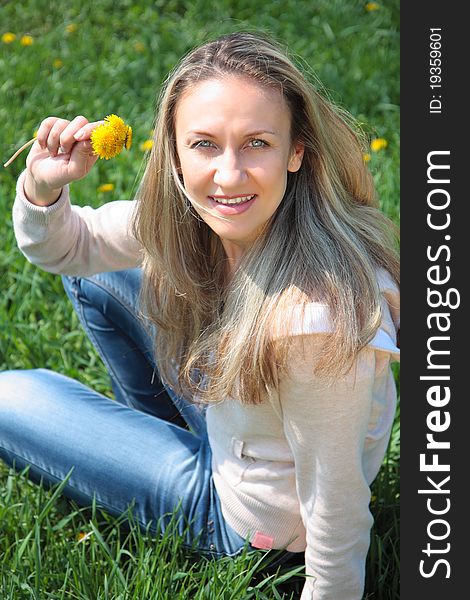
{"x":326,"y":427}
{"x":74,"y":240}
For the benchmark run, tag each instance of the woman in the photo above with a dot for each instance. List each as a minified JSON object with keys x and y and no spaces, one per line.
{"x":269,"y":293}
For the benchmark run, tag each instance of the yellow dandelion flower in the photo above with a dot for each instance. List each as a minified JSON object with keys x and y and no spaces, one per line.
{"x":105,"y":143}
{"x":8,"y":37}
{"x":26,"y":40}
{"x":366,"y":157}
{"x":82,"y":536}
{"x":378,"y":144}
{"x":111,"y":137}
{"x":139,"y":46}
{"x":146,"y":146}
{"x":370,"y":6}
{"x":106,"y":187}
{"x":71,"y":27}
{"x":57,"y":63}
{"x":117,"y":124}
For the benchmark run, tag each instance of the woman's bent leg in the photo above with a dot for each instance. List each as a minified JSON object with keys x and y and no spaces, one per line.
{"x":119,"y":455}
{"x":106,"y":305}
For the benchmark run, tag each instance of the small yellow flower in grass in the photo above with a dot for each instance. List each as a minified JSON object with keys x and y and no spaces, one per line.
{"x":26,"y":40}
{"x":366,"y":157}
{"x":71,"y":27}
{"x":111,"y":137}
{"x":146,"y":146}
{"x":57,"y":63}
{"x":106,"y":187}
{"x":139,"y":46}
{"x":8,"y":37}
{"x":378,"y":144}
{"x":82,"y":536}
{"x":370,"y":6}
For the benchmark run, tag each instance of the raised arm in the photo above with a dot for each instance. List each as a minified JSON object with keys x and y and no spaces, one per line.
{"x":52,"y":233}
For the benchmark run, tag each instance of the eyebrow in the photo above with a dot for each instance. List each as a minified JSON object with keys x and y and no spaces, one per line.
{"x":252,"y":133}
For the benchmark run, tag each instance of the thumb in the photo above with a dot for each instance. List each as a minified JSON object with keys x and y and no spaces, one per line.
{"x":82,"y":159}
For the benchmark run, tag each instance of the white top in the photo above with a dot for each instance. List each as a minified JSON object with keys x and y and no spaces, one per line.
{"x":294,"y":471}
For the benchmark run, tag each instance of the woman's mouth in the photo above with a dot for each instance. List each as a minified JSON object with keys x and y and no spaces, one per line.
{"x":234,"y":205}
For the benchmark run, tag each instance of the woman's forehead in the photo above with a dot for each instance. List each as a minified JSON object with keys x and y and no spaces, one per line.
{"x":238,"y":99}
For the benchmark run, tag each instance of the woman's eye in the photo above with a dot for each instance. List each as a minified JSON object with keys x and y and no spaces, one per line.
{"x":202,"y":144}
{"x":257,"y":143}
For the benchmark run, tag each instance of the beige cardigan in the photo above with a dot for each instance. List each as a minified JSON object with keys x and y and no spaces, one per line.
{"x":295,"y":470}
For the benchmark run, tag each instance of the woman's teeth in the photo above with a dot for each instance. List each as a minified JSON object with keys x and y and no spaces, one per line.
{"x":238,"y":200}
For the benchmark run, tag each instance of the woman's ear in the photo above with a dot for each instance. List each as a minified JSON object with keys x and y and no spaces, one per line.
{"x":296,"y":157}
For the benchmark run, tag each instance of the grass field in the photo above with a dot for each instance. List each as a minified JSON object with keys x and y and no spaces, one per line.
{"x":102,"y":57}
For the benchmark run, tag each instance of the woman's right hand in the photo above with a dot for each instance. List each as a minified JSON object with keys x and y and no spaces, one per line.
{"x":62,"y":153}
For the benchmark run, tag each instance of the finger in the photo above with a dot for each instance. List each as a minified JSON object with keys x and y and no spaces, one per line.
{"x":66,"y":139}
{"x":44,"y":130}
{"x":81,"y":160}
{"x":85,"y":132}
{"x":54,"y":136}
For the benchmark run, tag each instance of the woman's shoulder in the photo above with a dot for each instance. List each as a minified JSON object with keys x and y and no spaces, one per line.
{"x":315,"y":318}
{"x":387,"y":337}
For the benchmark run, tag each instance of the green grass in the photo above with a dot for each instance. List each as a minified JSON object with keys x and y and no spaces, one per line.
{"x":114,"y":61}
{"x":57,"y":550}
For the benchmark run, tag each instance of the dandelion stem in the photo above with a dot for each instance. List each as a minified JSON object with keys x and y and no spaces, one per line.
{"x":23,"y":147}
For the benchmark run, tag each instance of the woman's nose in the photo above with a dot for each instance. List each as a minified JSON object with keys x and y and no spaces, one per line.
{"x":229,"y":170}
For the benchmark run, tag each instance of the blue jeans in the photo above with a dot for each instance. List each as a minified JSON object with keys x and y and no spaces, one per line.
{"x":148,"y":449}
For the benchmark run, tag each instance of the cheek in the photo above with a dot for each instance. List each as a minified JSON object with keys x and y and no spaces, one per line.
{"x":270,"y":175}
{"x":276,"y":182}
{"x":196,"y":184}
{"x":195,"y":172}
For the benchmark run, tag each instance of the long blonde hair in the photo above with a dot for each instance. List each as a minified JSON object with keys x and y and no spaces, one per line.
{"x":324,"y":243}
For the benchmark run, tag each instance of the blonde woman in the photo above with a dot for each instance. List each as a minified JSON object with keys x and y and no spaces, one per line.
{"x":253,"y":382}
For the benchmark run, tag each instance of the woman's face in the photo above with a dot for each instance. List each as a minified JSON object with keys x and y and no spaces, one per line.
{"x":234,"y":149}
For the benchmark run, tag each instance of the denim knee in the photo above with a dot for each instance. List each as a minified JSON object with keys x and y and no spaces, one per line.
{"x":17,"y":385}
{"x":123,"y":286}
{"x":21,"y":398}
{"x":23,"y":389}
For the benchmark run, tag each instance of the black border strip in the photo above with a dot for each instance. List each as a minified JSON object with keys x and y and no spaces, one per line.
{"x":435,"y":229}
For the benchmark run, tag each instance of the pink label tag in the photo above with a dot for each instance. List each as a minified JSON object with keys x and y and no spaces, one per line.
{"x":262,"y":541}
